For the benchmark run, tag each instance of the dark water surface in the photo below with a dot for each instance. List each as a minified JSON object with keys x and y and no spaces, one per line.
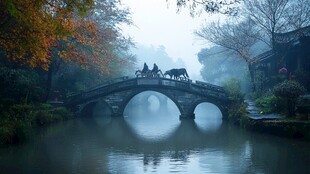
{"x":149,"y":141}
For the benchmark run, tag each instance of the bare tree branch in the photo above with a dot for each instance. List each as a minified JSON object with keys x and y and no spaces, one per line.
{"x":237,"y":37}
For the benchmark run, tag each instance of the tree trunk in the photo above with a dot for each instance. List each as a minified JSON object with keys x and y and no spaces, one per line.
{"x":49,"y":82}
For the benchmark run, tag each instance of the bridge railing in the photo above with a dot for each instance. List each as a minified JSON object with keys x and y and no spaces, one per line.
{"x":109,"y":82}
{"x":106,"y":87}
{"x":210,"y":90}
{"x":116,"y":84}
{"x":211,"y":86}
{"x":187,"y":85}
{"x":104,"y":83}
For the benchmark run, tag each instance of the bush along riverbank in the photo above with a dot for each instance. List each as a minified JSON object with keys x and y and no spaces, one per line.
{"x":17,"y":121}
{"x":264,"y":120}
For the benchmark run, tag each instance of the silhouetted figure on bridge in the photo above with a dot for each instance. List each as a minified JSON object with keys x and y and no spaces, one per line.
{"x":156,"y":72}
{"x":145,"y":68}
{"x":155,"y":69}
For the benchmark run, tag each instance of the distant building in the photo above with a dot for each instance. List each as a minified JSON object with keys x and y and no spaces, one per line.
{"x":292,"y":52}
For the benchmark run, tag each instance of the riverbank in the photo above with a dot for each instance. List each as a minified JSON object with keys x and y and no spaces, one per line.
{"x":288,"y":128}
{"x":275,"y":124}
{"x":17,"y":121}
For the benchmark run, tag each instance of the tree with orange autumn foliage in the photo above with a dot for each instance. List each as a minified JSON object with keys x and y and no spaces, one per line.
{"x":48,"y":33}
{"x":98,"y":44}
{"x":29,"y":29}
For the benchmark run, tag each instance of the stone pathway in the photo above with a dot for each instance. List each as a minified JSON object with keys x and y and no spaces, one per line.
{"x":254,"y":113}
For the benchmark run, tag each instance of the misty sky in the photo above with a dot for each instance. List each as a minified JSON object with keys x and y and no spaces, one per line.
{"x":157,"y":23}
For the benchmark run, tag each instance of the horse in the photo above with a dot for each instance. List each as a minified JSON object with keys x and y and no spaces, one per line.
{"x":148,"y":73}
{"x":176,"y":73}
{"x":157,"y":73}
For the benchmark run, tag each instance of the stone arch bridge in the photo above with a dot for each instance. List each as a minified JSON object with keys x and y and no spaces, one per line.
{"x":118,"y":92}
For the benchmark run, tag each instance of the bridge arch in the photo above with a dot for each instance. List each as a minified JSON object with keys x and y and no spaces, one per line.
{"x":206,"y":100}
{"x":89,"y":107}
{"x":139,"y":91}
{"x":147,"y":96}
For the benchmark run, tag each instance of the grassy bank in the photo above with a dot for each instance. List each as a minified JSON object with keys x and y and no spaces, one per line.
{"x":17,"y":121}
{"x":289,"y":128}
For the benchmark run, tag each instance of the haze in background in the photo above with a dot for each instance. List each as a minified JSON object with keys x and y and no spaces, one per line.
{"x":157,"y":24}
{"x":156,"y":54}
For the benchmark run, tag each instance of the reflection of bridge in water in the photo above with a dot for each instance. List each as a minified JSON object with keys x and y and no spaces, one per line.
{"x":178,"y":144}
{"x":186,"y":136}
{"x":117,"y":93}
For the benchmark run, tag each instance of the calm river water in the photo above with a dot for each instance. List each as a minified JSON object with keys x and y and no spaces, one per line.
{"x":152,"y":140}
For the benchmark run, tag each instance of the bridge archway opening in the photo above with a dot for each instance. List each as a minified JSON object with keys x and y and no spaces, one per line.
{"x":152,"y":124}
{"x":98,"y":111}
{"x":208,"y":116}
{"x":151,"y":102}
{"x":154,"y":103}
{"x":97,"y":108}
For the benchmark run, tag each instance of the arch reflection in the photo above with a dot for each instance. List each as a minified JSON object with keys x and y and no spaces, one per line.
{"x":208,"y":116}
{"x":153,"y":121}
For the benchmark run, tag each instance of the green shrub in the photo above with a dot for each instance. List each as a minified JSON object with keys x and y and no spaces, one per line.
{"x":233,"y":89}
{"x":21,"y":131}
{"x":62,"y":112}
{"x":289,"y":90}
{"x":20,"y":111}
{"x":6,"y":134}
{"x":44,"y":117}
{"x":237,"y":112}
{"x":12,"y":132}
{"x":267,"y":104}
{"x":16,"y":121}
{"x":44,"y":106}
{"x":237,"y":108}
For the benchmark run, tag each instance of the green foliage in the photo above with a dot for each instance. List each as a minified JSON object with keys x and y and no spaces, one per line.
{"x":16,"y":122}
{"x":44,"y":117}
{"x":52,"y":115}
{"x":43,"y":106}
{"x":289,"y":89}
{"x":20,"y":85}
{"x":62,"y":112}
{"x":233,"y":89}
{"x":237,"y":112}
{"x":12,"y":132}
{"x":237,"y":109}
{"x":21,"y":131}
{"x":6,"y":134}
{"x":267,"y":104}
